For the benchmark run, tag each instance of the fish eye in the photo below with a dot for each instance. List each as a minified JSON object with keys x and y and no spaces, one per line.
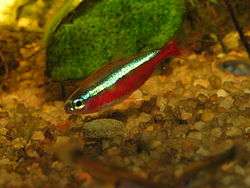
{"x":78,"y":104}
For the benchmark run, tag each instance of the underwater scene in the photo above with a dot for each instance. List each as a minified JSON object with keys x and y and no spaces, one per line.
{"x":124,"y":93}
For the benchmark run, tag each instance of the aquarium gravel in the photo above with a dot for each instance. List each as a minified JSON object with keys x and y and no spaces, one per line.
{"x":169,"y":129}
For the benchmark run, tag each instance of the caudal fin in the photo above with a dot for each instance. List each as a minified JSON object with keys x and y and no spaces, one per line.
{"x":169,"y":50}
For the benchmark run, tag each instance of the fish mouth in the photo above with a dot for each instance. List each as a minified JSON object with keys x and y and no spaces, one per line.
{"x":69,"y":108}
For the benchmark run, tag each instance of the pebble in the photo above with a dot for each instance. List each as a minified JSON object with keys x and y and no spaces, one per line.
{"x":239,"y":170}
{"x":221,"y":55}
{"x":155,"y":144}
{"x":195,"y":135}
{"x":233,"y":132}
{"x":3,"y":131}
{"x":149,"y":129}
{"x":237,"y":67}
{"x":57,"y":165}
{"x":227,"y":103}
{"x":143,"y":118}
{"x":215,"y":82}
{"x":4,"y":161}
{"x":62,"y":140}
{"x":202,"y":98}
{"x":247,"y":181}
{"x":248,"y":146}
{"x":217,"y":132}
{"x":201,"y":82}
{"x":203,"y":152}
{"x":32,"y":153}
{"x":18,"y":143}
{"x":222,"y":93}
{"x":38,"y":136}
{"x":186,"y":115}
{"x":231,"y":40}
{"x":207,"y":116}
{"x":27,"y":76}
{"x":103,"y":128}
{"x":161,"y":103}
{"x":192,"y":57}
{"x":23,"y":64}
{"x":245,"y":84}
{"x":229,"y":86}
{"x":113,"y":151}
{"x":199,"y":125}
{"x":247,"y":130}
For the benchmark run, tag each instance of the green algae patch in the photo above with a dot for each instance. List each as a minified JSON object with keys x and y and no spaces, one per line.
{"x":102,"y":31}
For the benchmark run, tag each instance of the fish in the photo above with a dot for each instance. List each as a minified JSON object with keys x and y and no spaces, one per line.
{"x":117,"y":80}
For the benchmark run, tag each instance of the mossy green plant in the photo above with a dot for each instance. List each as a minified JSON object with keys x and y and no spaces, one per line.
{"x":103,"y":31}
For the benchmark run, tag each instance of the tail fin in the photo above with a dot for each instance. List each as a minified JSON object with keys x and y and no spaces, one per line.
{"x":170,"y":49}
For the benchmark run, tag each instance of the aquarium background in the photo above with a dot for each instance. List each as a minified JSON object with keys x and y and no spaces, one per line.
{"x":187,"y":126}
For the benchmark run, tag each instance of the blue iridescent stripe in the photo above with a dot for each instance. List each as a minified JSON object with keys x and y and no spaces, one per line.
{"x":117,"y":75}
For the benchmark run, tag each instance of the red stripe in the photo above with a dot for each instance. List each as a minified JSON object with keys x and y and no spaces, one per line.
{"x":132,"y":81}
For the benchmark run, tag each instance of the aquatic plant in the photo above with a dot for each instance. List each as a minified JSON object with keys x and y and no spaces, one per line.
{"x":97,"y":32}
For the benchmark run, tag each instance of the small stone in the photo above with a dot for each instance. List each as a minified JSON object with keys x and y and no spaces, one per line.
{"x":62,"y":140}
{"x":233,"y":132}
{"x":57,"y":165}
{"x":144,"y":118}
{"x":245,"y":84}
{"x":203,"y":152}
{"x":222,"y":93}
{"x":195,"y":135}
{"x":199,"y":125}
{"x":221,"y":55}
{"x":103,"y":128}
{"x":247,"y":91}
{"x":113,"y":151}
{"x":161,"y":103}
{"x":186,"y":115}
{"x":201,"y":82}
{"x":150,"y":128}
{"x":202,"y":98}
{"x":3,"y":131}
{"x":231,"y":40}
{"x":247,"y":130}
{"x":4,"y":115}
{"x":229,"y":86}
{"x":215,"y":82}
{"x":248,"y":146}
{"x":155,"y":144}
{"x":32,"y":153}
{"x":239,"y":170}
{"x":23,"y":64}
{"x":4,"y":161}
{"x":27,"y":76}
{"x":217,"y":132}
{"x":192,"y":57}
{"x":247,"y":181}
{"x":227,"y":103}
{"x":38,"y":136}
{"x":18,"y":143}
{"x":207,"y":116}
{"x":228,"y":166}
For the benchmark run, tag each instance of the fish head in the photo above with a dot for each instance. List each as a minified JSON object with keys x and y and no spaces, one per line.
{"x":76,"y":104}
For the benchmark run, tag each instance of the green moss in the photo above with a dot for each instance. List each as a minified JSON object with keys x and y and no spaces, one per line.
{"x":110,"y":30}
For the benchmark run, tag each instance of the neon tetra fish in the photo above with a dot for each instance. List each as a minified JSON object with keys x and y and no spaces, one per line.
{"x":116,"y":80}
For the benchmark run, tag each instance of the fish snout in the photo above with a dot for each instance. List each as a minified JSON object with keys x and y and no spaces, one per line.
{"x":68,"y":107}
